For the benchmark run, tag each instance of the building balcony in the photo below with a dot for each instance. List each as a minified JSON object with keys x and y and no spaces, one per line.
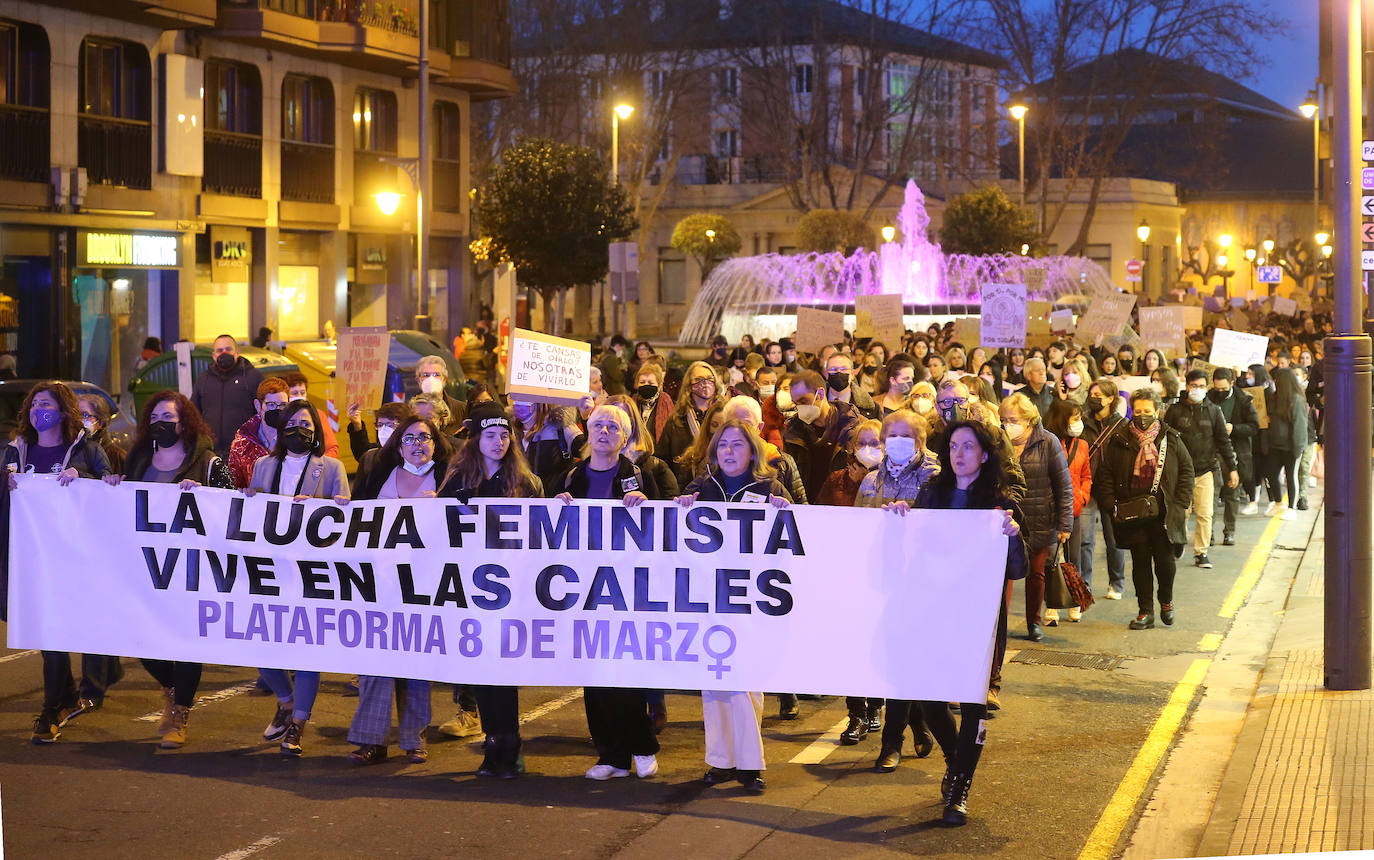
{"x":25,"y":133}
{"x":115,"y":151}
{"x":233,"y":164}
{"x":170,"y":14}
{"x":307,"y":172}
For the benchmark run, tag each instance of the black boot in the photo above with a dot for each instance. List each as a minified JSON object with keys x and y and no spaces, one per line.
{"x":787,"y":706}
{"x":491,"y":756}
{"x":511,"y":764}
{"x":856,"y":731}
{"x":947,"y":782}
{"x":956,"y":807}
{"x":874,"y":717}
{"x":888,"y":759}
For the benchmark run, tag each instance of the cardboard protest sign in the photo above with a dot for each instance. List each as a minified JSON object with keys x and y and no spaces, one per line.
{"x":1303,"y":299}
{"x":880,"y":318}
{"x":1038,"y":317}
{"x":1192,"y":316}
{"x":1062,"y":321}
{"x":1237,"y":349}
{"x":816,"y":328}
{"x":1002,"y":320}
{"x":1261,"y":407}
{"x":1287,"y":307}
{"x":1106,"y":317}
{"x":1162,"y":328}
{"x":360,"y":367}
{"x":966,"y":331}
{"x":1035,"y":279}
{"x":1206,"y":367}
{"x":1239,"y":319}
{"x":542,"y":368}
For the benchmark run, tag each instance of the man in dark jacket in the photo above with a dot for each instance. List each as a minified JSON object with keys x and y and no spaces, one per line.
{"x":1202,"y":426}
{"x":842,"y":391}
{"x":1041,"y":394}
{"x":613,"y":367}
{"x":812,"y":436}
{"x":224,"y":393}
{"x":1242,"y":424}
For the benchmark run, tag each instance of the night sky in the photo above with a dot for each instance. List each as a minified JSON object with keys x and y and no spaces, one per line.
{"x":1292,"y":54}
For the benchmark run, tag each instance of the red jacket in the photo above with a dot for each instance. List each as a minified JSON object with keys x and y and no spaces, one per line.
{"x":773,"y":421}
{"x":245,"y":450}
{"x":1076,"y":452}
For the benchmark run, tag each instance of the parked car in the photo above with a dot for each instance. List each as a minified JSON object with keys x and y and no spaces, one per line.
{"x":13,"y":392}
{"x":160,"y":373}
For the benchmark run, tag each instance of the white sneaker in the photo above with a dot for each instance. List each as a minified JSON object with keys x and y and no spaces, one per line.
{"x":1269,"y":511}
{"x":1113,"y":594}
{"x":1051,"y":618}
{"x":1288,"y":514}
{"x":645,"y":766}
{"x":1311,"y":482}
{"x":1075,"y":614}
{"x":603,"y":772}
{"x":1250,"y":510}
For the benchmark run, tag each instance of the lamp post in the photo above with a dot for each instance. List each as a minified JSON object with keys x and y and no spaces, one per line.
{"x":621,"y":111}
{"x":1018,"y":113}
{"x":1312,"y":110}
{"x":1143,"y":234}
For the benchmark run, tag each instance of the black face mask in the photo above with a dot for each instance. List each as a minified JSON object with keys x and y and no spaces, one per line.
{"x":1144,"y":422}
{"x":1100,"y":403}
{"x":225,"y":362}
{"x":164,"y":433}
{"x":838,"y":381}
{"x":954,"y":414}
{"x":647,"y":392}
{"x":298,"y":440}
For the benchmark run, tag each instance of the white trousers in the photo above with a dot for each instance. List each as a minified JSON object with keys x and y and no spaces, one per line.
{"x":734,"y":735}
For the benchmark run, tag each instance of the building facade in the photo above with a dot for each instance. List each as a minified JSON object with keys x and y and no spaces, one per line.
{"x":186,"y":168}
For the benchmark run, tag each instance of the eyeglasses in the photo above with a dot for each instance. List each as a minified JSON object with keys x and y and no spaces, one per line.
{"x":413,"y":439}
{"x":86,"y":416}
{"x":945,"y":404}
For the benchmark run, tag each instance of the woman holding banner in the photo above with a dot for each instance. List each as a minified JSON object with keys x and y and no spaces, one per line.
{"x":297,"y":467}
{"x":410,"y":466}
{"x":174,"y":446}
{"x":737,"y":471}
{"x":973,"y":475}
{"x":617,"y":718}
{"x":489,"y":465}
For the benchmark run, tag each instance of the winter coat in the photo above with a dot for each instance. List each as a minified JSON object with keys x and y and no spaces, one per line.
{"x":323,"y":477}
{"x":373,"y":474}
{"x":1202,"y":426}
{"x":246,"y":450}
{"x":1080,"y":470}
{"x":1048,"y":505}
{"x":203,"y":465}
{"x":659,"y":416}
{"x":773,"y":421}
{"x":1113,"y":484}
{"x":1245,"y":428}
{"x":674,"y":441}
{"x":840,"y":490}
{"x":1042,"y":401}
{"x":709,"y":488}
{"x":815,"y":454}
{"x":661,"y":476}
{"x":225,"y":400}
{"x":627,"y":480}
{"x":788,"y":473}
{"x":880,"y":486}
{"x":1287,"y":432}
{"x":612,"y":374}
{"x":1097,"y":433}
{"x":454,"y":487}
{"x":862,"y":401}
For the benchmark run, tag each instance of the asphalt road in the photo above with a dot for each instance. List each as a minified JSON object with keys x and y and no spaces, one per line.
{"x":1055,"y":755}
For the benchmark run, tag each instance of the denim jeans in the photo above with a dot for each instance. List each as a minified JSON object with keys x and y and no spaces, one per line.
{"x":1116,"y":557}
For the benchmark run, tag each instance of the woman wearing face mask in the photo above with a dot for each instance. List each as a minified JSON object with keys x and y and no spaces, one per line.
{"x":895,"y":385}
{"x":923,"y":400}
{"x":655,"y":408}
{"x":1047,"y":504}
{"x":49,"y":440}
{"x":991,"y":373}
{"x":1065,"y":421}
{"x":174,"y":446}
{"x":490,"y":465}
{"x":95,"y":417}
{"x":865,"y":451}
{"x":297,"y":468}
{"x":1073,"y":385}
{"x":870,"y":367}
{"x":1165,"y":383}
{"x":552,"y":438}
{"x":700,"y":390}
{"x":693,"y":460}
{"x":412,"y":465}
{"x":1148,"y":460}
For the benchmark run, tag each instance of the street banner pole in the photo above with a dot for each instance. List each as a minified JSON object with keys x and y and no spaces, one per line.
{"x":1347,"y":373}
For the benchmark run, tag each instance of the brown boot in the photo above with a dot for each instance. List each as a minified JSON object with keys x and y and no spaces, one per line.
{"x":169,"y":700}
{"x":175,"y":738}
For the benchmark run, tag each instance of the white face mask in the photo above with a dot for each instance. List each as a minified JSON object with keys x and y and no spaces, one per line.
{"x":900,"y":449}
{"x":384,"y":433}
{"x":923,"y":405}
{"x":1075,"y":428}
{"x":869,"y":455}
{"x":1015,"y":431}
{"x":89,"y":425}
{"x":808,"y":412}
{"x":766,"y":391}
{"x":1196,"y":394}
{"x":431,"y":385}
{"x":417,"y":470}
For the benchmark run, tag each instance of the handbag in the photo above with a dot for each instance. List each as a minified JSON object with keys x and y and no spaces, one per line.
{"x":1057,"y":594}
{"x":1143,"y":507}
{"x":1078,"y":589}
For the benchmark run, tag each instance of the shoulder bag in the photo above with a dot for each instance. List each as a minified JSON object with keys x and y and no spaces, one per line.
{"x":1144,"y":507}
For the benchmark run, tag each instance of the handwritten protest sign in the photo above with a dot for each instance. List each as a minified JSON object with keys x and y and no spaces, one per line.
{"x":1287,"y":307}
{"x":360,"y":367}
{"x":1034,"y":278}
{"x":1162,"y":329}
{"x":1002,"y":320}
{"x":882,"y":317}
{"x":816,"y":328}
{"x":1261,"y":406}
{"x":545,"y":369}
{"x":1204,"y":366}
{"x":1062,"y":321}
{"x":1237,"y":349}
{"x":1106,"y":317}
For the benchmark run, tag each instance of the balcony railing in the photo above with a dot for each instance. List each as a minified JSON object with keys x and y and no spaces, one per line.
{"x":115,"y":151}
{"x":24,"y":138}
{"x":233,"y":164}
{"x":307,"y":172}
{"x":398,"y":16}
{"x":448,"y":185}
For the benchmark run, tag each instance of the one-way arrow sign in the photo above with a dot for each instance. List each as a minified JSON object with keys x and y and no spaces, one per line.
{"x":1367,"y":207}
{"x":1368,"y":233}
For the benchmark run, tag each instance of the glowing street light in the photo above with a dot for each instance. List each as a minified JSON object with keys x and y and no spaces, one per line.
{"x":1224,"y":240}
{"x":388,"y":201}
{"x":621,"y":111}
{"x":1018,"y":113}
{"x":889,"y":233}
{"x":1322,"y":237}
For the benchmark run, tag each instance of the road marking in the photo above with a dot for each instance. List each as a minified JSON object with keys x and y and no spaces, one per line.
{"x":18,"y":655}
{"x":1250,"y":574}
{"x":550,"y":706}
{"x":822,"y":746}
{"x":1209,"y":642}
{"x":219,"y":696}
{"x":264,"y":842}
{"x":1122,"y":806}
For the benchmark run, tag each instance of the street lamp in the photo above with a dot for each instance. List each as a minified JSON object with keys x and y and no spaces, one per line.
{"x":1322,"y":237}
{"x":388,"y":201}
{"x":1312,"y":110}
{"x":622,"y":111}
{"x":889,"y":233}
{"x":1018,"y":113}
{"x":1143,"y":234}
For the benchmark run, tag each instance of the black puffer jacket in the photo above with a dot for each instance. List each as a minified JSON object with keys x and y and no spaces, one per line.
{"x":1048,"y":504}
{"x":1202,"y":426}
{"x":1244,"y":423}
{"x":1112,"y":484}
{"x":225,"y":400}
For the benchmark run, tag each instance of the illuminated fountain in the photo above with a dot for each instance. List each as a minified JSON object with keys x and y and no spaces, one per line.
{"x":760,"y":295}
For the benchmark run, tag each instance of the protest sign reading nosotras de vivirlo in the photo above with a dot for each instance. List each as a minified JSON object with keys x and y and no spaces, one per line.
{"x":514,"y":592}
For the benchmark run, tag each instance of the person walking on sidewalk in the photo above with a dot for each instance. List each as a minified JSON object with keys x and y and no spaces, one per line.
{"x":1204,"y":431}
{"x":1102,"y":420}
{"x":1284,"y":439}
{"x":1148,"y":462}
{"x":1242,"y":425}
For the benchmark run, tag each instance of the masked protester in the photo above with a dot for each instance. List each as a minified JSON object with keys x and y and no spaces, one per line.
{"x":1242,"y":425}
{"x":655,"y":407}
{"x":256,"y":437}
{"x":865,"y":452}
{"x":701,"y":389}
{"x":1202,"y":426}
{"x":1101,"y":418}
{"x":895,"y":386}
{"x":432,"y":375}
{"x":224,"y":393}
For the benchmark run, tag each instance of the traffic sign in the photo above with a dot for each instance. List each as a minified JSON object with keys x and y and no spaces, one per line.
{"x":1270,"y":274}
{"x":1367,"y":207}
{"x":1367,"y":150}
{"x":1367,"y":261}
{"x":1133,"y":270}
{"x":1367,"y":178}
{"x":1367,"y":232}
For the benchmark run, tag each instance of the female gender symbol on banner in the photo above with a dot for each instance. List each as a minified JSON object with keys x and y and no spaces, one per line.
{"x":719,"y":656}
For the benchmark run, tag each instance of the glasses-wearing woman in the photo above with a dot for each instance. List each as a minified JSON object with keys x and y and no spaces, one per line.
{"x":410,"y":466}
{"x":864,"y":452}
{"x":491,"y":465}
{"x":737,"y":472}
{"x":298,"y":468}
{"x":617,"y":718}
{"x":49,"y":440}
{"x":972,"y":476}
{"x":700,"y":391}
{"x":95,"y":417}
{"x":174,"y":446}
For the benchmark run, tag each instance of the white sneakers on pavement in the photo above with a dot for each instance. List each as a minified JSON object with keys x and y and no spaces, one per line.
{"x":603,"y":772}
{"x":1269,"y":511}
{"x":1113,"y":594}
{"x":645,"y":765}
{"x":1250,"y":509}
{"x":1075,"y":614}
{"x":1289,"y":514}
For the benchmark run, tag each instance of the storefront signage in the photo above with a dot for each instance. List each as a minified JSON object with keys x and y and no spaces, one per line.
{"x":230,"y":255}
{"x":129,"y":249}
{"x":370,"y":263}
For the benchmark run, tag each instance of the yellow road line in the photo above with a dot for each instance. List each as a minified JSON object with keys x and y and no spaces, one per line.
{"x":1250,"y":574}
{"x":1123,"y":803}
{"x":1209,"y":642}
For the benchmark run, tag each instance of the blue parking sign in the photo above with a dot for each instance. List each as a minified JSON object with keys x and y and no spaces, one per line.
{"x":1270,"y":274}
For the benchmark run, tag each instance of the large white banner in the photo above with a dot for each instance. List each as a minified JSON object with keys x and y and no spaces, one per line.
{"x":725,"y":597}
